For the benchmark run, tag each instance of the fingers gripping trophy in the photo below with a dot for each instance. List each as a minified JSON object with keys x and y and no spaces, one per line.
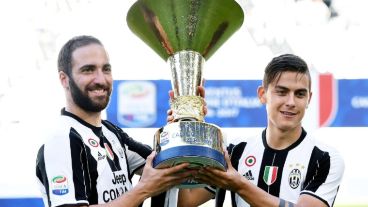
{"x":185,"y":33}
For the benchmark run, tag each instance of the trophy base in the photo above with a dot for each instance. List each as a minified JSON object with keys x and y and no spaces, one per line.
{"x":197,"y":143}
{"x":196,"y":156}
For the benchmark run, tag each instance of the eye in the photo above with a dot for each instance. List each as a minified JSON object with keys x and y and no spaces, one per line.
{"x":87,"y":68}
{"x":301,"y":94}
{"x":281,"y":92}
{"x":107,"y":68}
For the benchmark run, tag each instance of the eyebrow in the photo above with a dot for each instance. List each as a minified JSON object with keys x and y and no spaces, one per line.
{"x":93,"y":66}
{"x":285,"y":88}
{"x":88,"y":66}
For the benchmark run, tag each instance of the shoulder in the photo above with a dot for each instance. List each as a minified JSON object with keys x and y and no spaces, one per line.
{"x":243,"y":141}
{"x":60,"y":131}
{"x":323,"y":148}
{"x":326,"y":156}
{"x":335,"y":157}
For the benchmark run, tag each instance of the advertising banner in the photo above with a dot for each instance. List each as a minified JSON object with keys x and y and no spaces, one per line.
{"x":231,"y":103}
{"x":234,"y":103}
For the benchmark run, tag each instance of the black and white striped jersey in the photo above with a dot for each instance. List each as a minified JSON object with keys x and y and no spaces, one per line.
{"x":81,"y":164}
{"x":305,"y":167}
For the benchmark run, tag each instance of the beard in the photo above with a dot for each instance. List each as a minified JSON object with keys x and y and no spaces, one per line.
{"x":84,"y":101}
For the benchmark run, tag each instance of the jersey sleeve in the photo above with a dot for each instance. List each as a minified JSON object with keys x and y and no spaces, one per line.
{"x":324,"y":182}
{"x":136,"y":152}
{"x":60,"y":170}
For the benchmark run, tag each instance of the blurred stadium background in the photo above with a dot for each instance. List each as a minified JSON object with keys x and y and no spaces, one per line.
{"x":330,"y":34}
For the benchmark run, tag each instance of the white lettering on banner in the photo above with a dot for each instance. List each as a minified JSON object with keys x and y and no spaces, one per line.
{"x":359,"y":102}
{"x":242,"y":102}
{"x":223,"y":91}
{"x":226,"y":102}
{"x":227,"y":112}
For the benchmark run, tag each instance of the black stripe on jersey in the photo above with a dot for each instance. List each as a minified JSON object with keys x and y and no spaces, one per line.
{"x":220,"y":197}
{"x":333,"y":203}
{"x":272,"y":158}
{"x":141,"y":149}
{"x":84,"y":183}
{"x":236,"y":153}
{"x":158,"y":200}
{"x":318,"y":170}
{"x":114,"y":164}
{"x":277,"y":158}
{"x":319,"y":198}
{"x":41,"y":171}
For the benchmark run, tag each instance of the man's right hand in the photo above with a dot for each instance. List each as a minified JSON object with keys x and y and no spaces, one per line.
{"x":155,"y":181}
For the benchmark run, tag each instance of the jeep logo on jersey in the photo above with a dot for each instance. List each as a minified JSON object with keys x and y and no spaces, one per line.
{"x":294,"y":178}
{"x":92,"y":142}
{"x":250,"y":161}
{"x":59,"y":185}
{"x":270,"y":174}
{"x":109,"y":152}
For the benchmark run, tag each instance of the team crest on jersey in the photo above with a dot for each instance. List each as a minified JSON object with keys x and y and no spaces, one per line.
{"x":295,"y":177}
{"x":250,"y":161}
{"x":59,"y":185}
{"x":93,"y":142}
{"x":270,"y":174}
{"x":109,"y":152}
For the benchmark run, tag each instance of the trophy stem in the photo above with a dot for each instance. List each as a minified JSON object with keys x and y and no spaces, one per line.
{"x":186,"y":70}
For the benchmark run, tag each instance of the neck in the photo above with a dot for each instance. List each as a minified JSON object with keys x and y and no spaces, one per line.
{"x":93,"y":118}
{"x":281,"y":139}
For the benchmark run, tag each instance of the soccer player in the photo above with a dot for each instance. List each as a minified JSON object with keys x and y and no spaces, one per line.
{"x":87,"y":161}
{"x":283,"y":166}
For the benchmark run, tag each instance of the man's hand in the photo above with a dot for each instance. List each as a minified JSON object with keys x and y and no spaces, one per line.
{"x":230,"y":179}
{"x":155,"y":181}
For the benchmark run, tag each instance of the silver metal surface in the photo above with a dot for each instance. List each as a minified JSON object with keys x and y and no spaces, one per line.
{"x":188,"y":133}
{"x":186,"y":70}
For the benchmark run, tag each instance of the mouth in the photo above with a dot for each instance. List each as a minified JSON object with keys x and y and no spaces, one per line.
{"x":98,"y":92}
{"x":288,"y":113}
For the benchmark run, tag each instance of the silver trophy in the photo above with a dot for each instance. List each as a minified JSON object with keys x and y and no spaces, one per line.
{"x":185,"y":33}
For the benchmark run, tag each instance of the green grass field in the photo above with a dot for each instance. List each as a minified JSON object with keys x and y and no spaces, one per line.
{"x":363,"y":205}
{"x":209,"y":204}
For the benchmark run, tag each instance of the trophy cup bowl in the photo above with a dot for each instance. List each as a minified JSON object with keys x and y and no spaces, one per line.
{"x":186,"y":33}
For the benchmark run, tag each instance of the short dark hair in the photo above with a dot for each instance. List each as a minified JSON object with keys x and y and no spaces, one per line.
{"x":65,"y":54}
{"x":284,"y":63}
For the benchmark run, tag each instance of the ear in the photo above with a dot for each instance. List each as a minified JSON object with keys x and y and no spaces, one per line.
{"x":261,"y":92}
{"x":64,"y":79}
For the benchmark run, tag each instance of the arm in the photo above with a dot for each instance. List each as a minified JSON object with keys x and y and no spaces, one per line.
{"x":252,"y":194}
{"x":152,"y":182}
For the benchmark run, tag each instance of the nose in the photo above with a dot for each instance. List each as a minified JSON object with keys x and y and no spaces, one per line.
{"x":290,"y":100}
{"x":99,"y":76}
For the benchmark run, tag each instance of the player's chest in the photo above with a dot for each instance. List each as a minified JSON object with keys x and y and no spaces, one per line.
{"x":278,"y":169}
{"x":108,"y":167}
